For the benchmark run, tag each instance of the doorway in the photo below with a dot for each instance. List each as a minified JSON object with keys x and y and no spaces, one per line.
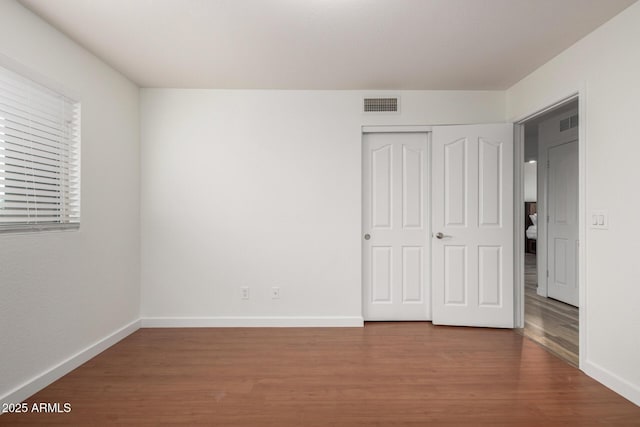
{"x":551,"y":249}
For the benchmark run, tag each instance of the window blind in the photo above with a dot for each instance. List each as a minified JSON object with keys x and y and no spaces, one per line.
{"x":39,"y":156}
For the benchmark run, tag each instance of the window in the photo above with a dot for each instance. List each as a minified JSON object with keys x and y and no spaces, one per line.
{"x":39,"y":156}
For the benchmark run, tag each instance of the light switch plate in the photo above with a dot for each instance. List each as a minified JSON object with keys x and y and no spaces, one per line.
{"x":599,"y":219}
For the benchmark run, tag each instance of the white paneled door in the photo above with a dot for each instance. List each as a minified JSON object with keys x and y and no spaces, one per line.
{"x":472,"y":241}
{"x":562,"y":234}
{"x":395,"y":226}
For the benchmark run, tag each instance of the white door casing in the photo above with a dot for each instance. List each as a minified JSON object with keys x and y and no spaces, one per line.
{"x":472,"y":198}
{"x":395,"y":211}
{"x":562,"y":226}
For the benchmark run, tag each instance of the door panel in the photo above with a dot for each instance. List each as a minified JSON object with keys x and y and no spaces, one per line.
{"x":455,"y":275}
{"x":563,"y":223}
{"x":412,"y":190}
{"x":455,"y":194}
{"x":490,"y":183}
{"x":472,"y":196}
{"x":490,"y":275}
{"x":395,"y":216}
{"x":412,"y":274}
{"x":381,"y":274}
{"x":381,"y":187}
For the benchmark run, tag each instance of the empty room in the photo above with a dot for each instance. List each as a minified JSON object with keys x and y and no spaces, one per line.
{"x":319,"y":212}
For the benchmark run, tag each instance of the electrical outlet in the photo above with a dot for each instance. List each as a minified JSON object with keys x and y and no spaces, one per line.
{"x":275,"y":292}
{"x":244,"y":292}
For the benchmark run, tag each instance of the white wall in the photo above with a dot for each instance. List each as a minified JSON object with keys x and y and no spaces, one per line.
{"x":530,"y":182}
{"x":606,"y":66}
{"x":262,"y":189}
{"x":60,"y":292}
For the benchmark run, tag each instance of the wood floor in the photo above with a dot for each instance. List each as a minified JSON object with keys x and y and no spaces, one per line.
{"x":384,"y":374}
{"x":550,"y":323}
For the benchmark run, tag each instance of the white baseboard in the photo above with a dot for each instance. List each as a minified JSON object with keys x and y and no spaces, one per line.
{"x":614,"y":382}
{"x":251,"y":322}
{"x":39,"y":382}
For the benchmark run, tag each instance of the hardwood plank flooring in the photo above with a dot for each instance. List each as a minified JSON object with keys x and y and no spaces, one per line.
{"x":384,"y":374}
{"x":551,"y":323}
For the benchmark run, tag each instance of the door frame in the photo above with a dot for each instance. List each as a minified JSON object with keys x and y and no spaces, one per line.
{"x":399,"y":129}
{"x":518,"y":211}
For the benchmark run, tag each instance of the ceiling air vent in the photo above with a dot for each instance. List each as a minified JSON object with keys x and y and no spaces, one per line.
{"x":380,"y":105}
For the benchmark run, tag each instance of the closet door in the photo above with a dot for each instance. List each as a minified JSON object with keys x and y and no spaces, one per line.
{"x":472,"y":199}
{"x":395,"y":235}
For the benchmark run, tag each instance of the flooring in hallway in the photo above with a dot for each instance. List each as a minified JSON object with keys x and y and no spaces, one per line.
{"x":551,"y":323}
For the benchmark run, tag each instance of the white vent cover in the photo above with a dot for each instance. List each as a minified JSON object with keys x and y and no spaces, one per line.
{"x":380,"y":105}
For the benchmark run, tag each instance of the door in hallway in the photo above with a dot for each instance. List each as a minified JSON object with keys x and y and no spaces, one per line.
{"x":562,"y":237}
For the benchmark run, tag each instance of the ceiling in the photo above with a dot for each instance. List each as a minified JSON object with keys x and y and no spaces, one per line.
{"x":327,"y":44}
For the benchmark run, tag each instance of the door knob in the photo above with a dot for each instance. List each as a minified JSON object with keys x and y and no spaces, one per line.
{"x":367,"y":236}
{"x":439,"y":235}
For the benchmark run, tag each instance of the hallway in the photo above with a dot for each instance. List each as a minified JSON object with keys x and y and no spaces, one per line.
{"x":551,"y":323}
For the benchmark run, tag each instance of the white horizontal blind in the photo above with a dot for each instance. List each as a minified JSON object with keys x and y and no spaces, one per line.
{"x":39,"y":156}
